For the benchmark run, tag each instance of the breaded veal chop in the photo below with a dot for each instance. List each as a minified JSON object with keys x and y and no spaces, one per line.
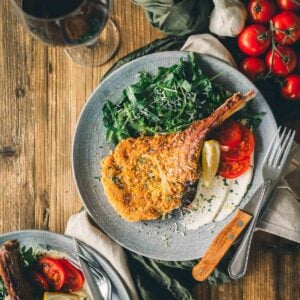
{"x":147,"y":177}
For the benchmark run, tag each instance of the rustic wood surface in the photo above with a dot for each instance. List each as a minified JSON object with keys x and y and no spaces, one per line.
{"x":42,"y":93}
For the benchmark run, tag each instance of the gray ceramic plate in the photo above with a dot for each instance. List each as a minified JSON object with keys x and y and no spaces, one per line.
{"x":157,"y":239}
{"x":49,"y":240}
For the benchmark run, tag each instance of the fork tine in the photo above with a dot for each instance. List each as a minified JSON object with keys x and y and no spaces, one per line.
{"x":276,"y":150}
{"x":281,"y":147}
{"x":272,"y":150}
{"x":287,"y":150}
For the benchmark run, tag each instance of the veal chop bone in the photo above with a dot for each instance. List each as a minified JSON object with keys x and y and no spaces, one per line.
{"x":147,"y":177}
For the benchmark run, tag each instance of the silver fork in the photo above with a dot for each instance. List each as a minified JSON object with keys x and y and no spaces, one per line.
{"x":105,"y":284}
{"x":273,"y":166}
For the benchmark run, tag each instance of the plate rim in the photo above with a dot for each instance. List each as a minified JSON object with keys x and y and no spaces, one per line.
{"x":90,"y":98}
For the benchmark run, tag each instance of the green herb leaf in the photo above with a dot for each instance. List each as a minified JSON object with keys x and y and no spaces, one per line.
{"x":29,"y":256}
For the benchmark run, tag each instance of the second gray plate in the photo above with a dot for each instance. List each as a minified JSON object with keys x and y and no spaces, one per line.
{"x":160,"y":239}
{"x":39,"y":239}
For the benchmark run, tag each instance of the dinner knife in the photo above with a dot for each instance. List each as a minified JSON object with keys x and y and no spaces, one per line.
{"x":226,"y":237}
{"x":89,"y":277}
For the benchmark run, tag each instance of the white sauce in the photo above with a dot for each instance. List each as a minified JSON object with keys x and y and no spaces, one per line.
{"x":219,"y":200}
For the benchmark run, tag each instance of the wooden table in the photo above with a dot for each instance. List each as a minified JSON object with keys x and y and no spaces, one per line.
{"x":42,"y":94}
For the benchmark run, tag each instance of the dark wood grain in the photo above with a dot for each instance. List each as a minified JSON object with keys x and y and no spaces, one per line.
{"x":42,"y":94}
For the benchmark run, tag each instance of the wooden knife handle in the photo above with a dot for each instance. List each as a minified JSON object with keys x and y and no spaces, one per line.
{"x":220,"y":245}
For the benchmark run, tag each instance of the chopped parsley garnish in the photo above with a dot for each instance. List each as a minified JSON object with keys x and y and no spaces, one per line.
{"x":225,"y":181}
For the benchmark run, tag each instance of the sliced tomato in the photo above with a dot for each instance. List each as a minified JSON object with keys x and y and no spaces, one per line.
{"x":230,"y":134}
{"x":74,"y":277}
{"x":233,"y":169}
{"x":39,"y":280}
{"x":53,"y":271}
{"x":244,"y":149}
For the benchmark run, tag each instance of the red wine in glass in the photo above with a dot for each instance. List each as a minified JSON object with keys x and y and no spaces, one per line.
{"x":83,"y":27}
{"x":65,"y":23}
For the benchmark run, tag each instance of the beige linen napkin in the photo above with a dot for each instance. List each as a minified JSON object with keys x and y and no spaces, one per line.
{"x":283,"y":216}
{"x":80,"y":227}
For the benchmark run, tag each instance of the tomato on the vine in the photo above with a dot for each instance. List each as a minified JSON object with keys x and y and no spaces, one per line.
{"x":261,"y":11}
{"x":254,"y":40}
{"x":291,"y":87}
{"x":286,"y":28}
{"x":281,"y":61}
{"x":253,"y":67}
{"x":292,"y":5}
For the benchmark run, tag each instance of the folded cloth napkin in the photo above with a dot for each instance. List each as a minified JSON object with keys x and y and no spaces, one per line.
{"x":81,"y":227}
{"x":177,"y":17}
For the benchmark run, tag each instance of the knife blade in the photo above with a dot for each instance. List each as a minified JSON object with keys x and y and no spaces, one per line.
{"x":89,"y":277}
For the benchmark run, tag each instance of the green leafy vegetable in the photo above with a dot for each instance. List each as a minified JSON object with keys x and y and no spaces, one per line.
{"x":29,"y":256}
{"x":166,"y":102}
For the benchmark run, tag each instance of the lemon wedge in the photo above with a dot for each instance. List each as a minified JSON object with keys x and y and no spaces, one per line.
{"x":60,"y":296}
{"x":211,"y":153}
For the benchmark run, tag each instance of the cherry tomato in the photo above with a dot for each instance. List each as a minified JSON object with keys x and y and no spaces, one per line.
{"x":54,"y":272}
{"x":293,"y":5}
{"x":74,"y":277}
{"x":284,"y":61}
{"x":229,"y":134}
{"x":261,"y":11}
{"x":233,"y":169}
{"x":254,"y":40}
{"x":253,"y":67}
{"x":244,"y":149}
{"x":287,"y":28}
{"x":39,"y":280}
{"x":291,"y":87}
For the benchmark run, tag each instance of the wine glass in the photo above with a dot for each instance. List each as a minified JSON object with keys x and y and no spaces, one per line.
{"x":83,"y":27}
